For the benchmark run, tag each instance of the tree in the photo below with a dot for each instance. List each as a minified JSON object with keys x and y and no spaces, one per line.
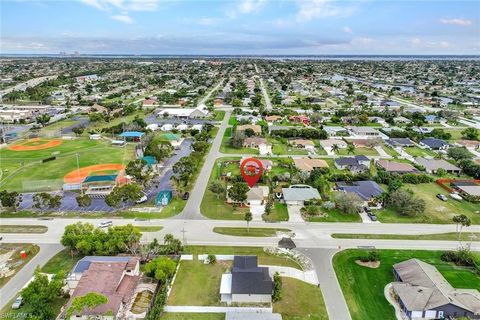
{"x":351,"y":148}
{"x":83,"y":201}
{"x":470,"y":134}
{"x":238,"y":192}
{"x":40,"y":293}
{"x":249,"y":132}
{"x":405,"y":203}
{"x":158,"y":149}
{"x":88,"y":301}
{"x":462,"y":221}
{"x":394,"y":185}
{"x":248,"y":217}
{"x":43,"y":119}
{"x":172,"y":245}
{"x":459,"y":153}
{"x":348,"y":202}
{"x":161,"y":268}
{"x":78,"y":130}
{"x":139,"y":170}
{"x":217,"y":188}
{"x":10,"y":199}
{"x":184,"y":169}
{"x":335,"y":148}
{"x":200,"y":146}
{"x":45,"y":201}
{"x":128,"y":192}
{"x":277,"y":287}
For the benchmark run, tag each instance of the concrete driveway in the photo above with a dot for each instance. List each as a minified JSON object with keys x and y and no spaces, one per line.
{"x":294,"y":214}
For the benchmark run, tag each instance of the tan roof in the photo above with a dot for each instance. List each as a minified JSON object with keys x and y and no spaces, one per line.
{"x":257,"y":193}
{"x":471,"y":190}
{"x":254,"y":140}
{"x":302,"y":142}
{"x":391,"y":166}
{"x":307,"y":164}
{"x":273,"y":118}
{"x":330,"y":142}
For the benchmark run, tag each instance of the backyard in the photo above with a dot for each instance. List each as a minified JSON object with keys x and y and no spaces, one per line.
{"x":363,"y":287}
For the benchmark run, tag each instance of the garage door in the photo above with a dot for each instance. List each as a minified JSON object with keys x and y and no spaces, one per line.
{"x":430,"y":314}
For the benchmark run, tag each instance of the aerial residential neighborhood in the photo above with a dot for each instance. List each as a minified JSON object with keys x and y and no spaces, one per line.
{"x":242,"y":160}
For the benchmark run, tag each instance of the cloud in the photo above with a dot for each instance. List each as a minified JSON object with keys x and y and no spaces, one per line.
{"x":246,"y":7}
{"x":125,"y":5}
{"x":208,"y":21}
{"x":123,"y":18}
{"x":457,"y":22}
{"x":318,"y":9}
{"x":415,"y":41}
{"x":347,"y":30}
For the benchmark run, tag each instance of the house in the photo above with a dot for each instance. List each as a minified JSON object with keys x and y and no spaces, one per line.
{"x":434,"y":144}
{"x":334,"y":131}
{"x":273,"y":118}
{"x":431,"y":118}
{"x":298,"y":194}
{"x":364,"y":131}
{"x":328,"y":144}
{"x":299,"y":119}
{"x":167,"y":127}
{"x":114,"y":277}
{"x":255,"y":127}
{"x":247,"y":283}
{"x":308,"y":164}
{"x":184,"y":113}
{"x":399,"y":142}
{"x":432,"y":165}
{"x":469,"y":144}
{"x":261,"y":144}
{"x":357,"y":164}
{"x":305,"y":144}
{"x":98,"y":108}
{"x":248,"y":118}
{"x":182,"y":127}
{"x":257,"y":195}
{"x":366,"y":190}
{"x":401,"y":120}
{"x":467,"y":188}
{"x":149,"y":103}
{"x":396,"y":167}
{"x":423,"y":293}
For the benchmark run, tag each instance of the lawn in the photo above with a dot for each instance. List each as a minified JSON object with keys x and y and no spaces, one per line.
{"x":16,"y":262}
{"x":359,"y":151}
{"x":251,"y":232}
{"x":22,"y":229}
{"x":225,"y":148}
{"x":198,"y":284}
{"x":58,"y":126}
{"x":281,"y":148}
{"x":149,"y":228}
{"x":336,"y":216}
{"x":279,"y":213}
{"x":437,"y":211}
{"x":452,"y":236}
{"x":232,"y":120}
{"x":419,"y":152}
{"x":264,"y":258}
{"x":390,"y":151}
{"x":300,"y":300}
{"x":363,"y":287}
{"x":219,"y":115}
{"x":22,"y":170}
{"x":192,"y":316}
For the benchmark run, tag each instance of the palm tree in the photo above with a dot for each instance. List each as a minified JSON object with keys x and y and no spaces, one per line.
{"x":335,"y":148}
{"x":248,"y":217}
{"x":351,"y":148}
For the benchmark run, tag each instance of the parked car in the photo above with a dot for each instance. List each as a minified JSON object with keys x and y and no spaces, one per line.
{"x":372,"y":216}
{"x":186,"y":195}
{"x":17,"y":303}
{"x":442,"y":197}
{"x":105,"y":224}
{"x":142,"y":199}
{"x":367,"y":210}
{"x":456,"y":196}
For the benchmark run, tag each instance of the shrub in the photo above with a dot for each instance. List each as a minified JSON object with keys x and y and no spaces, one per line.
{"x":371,"y":255}
{"x":212,"y":259}
{"x":277,"y":287}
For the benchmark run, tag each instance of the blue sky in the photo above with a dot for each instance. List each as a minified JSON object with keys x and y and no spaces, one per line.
{"x":240,"y":27}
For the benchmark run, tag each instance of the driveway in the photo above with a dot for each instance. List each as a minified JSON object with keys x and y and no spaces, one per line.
{"x":294,"y":214}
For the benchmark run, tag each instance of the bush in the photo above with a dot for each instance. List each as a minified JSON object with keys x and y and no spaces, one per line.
{"x":370,"y":256}
{"x":461,"y":257}
{"x":277,"y":287}
{"x":212,"y":259}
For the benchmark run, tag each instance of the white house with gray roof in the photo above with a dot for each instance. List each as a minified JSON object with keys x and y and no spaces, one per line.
{"x":299,"y":193}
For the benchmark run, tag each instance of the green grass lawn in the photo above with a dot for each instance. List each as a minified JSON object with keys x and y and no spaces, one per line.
{"x":149,"y":228}
{"x":219,"y":115}
{"x":279,"y":213}
{"x":363,"y":287}
{"x":336,"y":216}
{"x":464,"y":236}
{"x":192,"y":316}
{"x":263,"y":257}
{"x":22,"y":229}
{"x":419,"y":152}
{"x":251,"y":232}
{"x":436,"y":211}
{"x":198,"y":284}
{"x":359,"y":151}
{"x":57,"y":126}
{"x":225,"y":148}
{"x":281,"y":148}
{"x":16,"y":263}
{"x":390,"y":151}
{"x":232,"y":120}
{"x":300,"y":300}
{"x":23,"y":172}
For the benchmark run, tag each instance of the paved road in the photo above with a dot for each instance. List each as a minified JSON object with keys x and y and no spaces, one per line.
{"x":266,"y":97}
{"x":24,"y":85}
{"x":192,"y":208}
{"x":9,"y":291}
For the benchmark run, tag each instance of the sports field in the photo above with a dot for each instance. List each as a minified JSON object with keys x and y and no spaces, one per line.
{"x":23,"y":170}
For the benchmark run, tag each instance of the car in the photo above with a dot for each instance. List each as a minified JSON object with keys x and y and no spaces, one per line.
{"x":142,"y":199}
{"x":105,"y":224}
{"x":186,"y":195}
{"x":456,"y":196}
{"x":367,"y":210}
{"x":372,"y":216}
{"x":442,"y":197}
{"x":17,"y":303}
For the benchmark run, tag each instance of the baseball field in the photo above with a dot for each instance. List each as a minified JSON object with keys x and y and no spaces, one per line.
{"x":45,"y":164}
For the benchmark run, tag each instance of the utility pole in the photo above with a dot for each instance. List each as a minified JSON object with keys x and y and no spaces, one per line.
{"x":78,"y":172}
{"x":184,"y":238}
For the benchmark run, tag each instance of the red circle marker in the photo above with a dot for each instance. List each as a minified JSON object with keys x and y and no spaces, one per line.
{"x":251,"y":177}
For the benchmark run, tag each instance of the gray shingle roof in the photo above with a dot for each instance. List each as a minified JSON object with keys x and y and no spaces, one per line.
{"x":248,"y":278}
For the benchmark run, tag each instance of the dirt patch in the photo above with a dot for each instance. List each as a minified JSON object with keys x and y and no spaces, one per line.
{"x":368,"y":264}
{"x":35,"y":144}
{"x":77,"y":176}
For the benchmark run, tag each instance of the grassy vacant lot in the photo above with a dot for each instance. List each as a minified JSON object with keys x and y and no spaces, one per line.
{"x":263,"y":257}
{"x":62,"y":261}
{"x":225,"y":148}
{"x":359,"y":151}
{"x":281,"y":148}
{"x":300,"y":300}
{"x":251,"y":232}
{"x":363,"y":287}
{"x":419,"y":152}
{"x":198,"y":284}
{"x":22,"y":229}
{"x":15,"y":258}
{"x":22,"y":169}
{"x":465,"y":236}
{"x":437,"y":211}
{"x":336,"y":216}
{"x":192,"y":316}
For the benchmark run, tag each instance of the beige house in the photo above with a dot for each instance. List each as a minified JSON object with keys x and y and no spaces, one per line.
{"x":307,"y":164}
{"x":255,"y":127}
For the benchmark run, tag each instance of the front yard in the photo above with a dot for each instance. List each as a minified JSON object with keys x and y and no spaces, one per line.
{"x":363,"y":287}
{"x":226,"y":148}
{"x":335,"y":216}
{"x":10,"y":253}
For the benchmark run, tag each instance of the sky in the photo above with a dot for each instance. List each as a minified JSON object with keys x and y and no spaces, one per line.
{"x":277,"y":27}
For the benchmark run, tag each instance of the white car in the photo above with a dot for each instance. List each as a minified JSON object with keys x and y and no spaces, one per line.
{"x":142,"y":199}
{"x":105,"y":224}
{"x":456,"y":196}
{"x":17,"y":303}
